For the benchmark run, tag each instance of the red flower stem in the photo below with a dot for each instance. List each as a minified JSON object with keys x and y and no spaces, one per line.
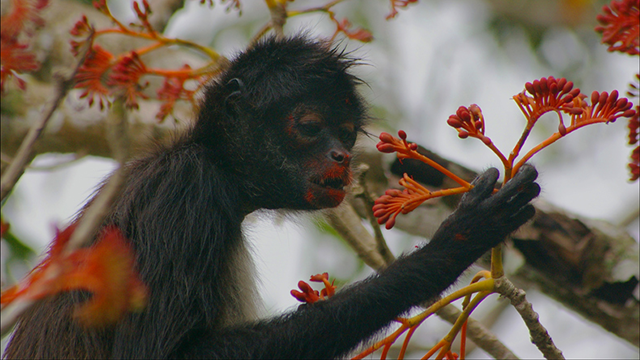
{"x":462,"y":319}
{"x":163,"y":40}
{"x":506,"y":163}
{"x":416,"y":155}
{"x":416,"y":201}
{"x":553,"y":138}
{"x":144,"y":50}
{"x":463,"y":340}
{"x":389,"y":339}
{"x":487,"y":285}
{"x":405,"y":343}
{"x":385,"y":351}
{"x":433,"y":350}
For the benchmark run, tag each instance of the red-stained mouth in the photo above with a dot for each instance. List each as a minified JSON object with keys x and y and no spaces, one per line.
{"x":330,"y":183}
{"x":326,"y":192}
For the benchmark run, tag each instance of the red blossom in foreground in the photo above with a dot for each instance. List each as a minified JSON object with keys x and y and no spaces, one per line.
{"x":91,"y":75}
{"x":24,"y":15}
{"x":308,"y":295}
{"x":621,"y":26}
{"x":125,"y":77}
{"x":15,"y":57}
{"x":395,"y":4}
{"x":81,"y":29}
{"x":105,"y":269}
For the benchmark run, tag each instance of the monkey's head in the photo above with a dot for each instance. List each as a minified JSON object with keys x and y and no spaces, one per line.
{"x":283,"y":119}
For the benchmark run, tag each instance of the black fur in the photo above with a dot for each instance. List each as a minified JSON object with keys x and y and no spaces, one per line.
{"x":275,"y":131}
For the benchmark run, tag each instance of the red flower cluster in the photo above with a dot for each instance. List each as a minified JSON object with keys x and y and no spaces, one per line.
{"x":549,"y":94}
{"x":172,"y":90}
{"x":469,"y":122}
{"x":604,"y":107}
{"x":621,"y":26}
{"x":106,"y":269}
{"x":18,"y":24}
{"x":104,"y":74}
{"x":91,"y":74}
{"x":394,"y":201}
{"x":125,"y":77}
{"x":309,"y":295}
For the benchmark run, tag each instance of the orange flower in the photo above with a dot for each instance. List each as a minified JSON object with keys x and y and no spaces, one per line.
{"x":171,"y":91}
{"x":307,"y":295}
{"x":621,"y":26}
{"x":549,"y":94}
{"x":469,"y":121}
{"x":92,"y":74}
{"x":125,"y":76}
{"x":15,"y":59}
{"x":14,"y":56}
{"x":105,"y":269}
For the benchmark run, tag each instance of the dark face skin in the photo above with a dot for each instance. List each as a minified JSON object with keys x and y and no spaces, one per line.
{"x":323,"y":144}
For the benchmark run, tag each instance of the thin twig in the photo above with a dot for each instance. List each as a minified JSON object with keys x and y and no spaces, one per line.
{"x":362,"y":193}
{"x":23,"y":155}
{"x":278,"y":16}
{"x":93,"y":217}
{"x":539,"y":334}
{"x":11,"y":313}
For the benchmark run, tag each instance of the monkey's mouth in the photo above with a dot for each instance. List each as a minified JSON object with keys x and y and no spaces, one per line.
{"x":330,"y":183}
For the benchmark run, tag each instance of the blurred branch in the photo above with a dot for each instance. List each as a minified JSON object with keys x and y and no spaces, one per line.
{"x":23,"y":155}
{"x":539,"y":335}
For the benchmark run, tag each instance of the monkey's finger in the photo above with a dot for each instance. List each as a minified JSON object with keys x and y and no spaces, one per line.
{"x":521,"y":217}
{"x":527,"y":194}
{"x":526,"y":175}
{"x":483,"y":186}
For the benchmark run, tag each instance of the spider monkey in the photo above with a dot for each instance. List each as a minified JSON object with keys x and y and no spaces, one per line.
{"x":275,"y":131}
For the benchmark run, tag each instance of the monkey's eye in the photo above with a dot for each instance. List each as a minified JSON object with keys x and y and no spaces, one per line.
{"x":310,"y":125}
{"x":347,"y":134}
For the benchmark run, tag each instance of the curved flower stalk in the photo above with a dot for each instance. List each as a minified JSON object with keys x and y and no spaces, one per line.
{"x":394,"y":201}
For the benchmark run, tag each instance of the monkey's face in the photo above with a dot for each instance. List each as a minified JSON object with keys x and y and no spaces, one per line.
{"x":318,"y":145}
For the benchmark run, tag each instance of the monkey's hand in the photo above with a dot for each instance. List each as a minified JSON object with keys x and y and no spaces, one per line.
{"x":482,"y":219}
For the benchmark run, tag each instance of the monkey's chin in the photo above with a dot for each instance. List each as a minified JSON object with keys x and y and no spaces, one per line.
{"x":322,"y":197}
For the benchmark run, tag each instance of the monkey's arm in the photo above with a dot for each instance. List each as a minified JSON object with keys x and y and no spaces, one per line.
{"x":334,"y":327}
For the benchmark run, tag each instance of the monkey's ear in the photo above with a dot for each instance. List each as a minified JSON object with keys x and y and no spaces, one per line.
{"x":235,"y":87}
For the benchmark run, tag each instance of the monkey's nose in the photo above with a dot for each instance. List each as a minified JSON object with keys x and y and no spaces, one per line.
{"x":341,"y":157}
